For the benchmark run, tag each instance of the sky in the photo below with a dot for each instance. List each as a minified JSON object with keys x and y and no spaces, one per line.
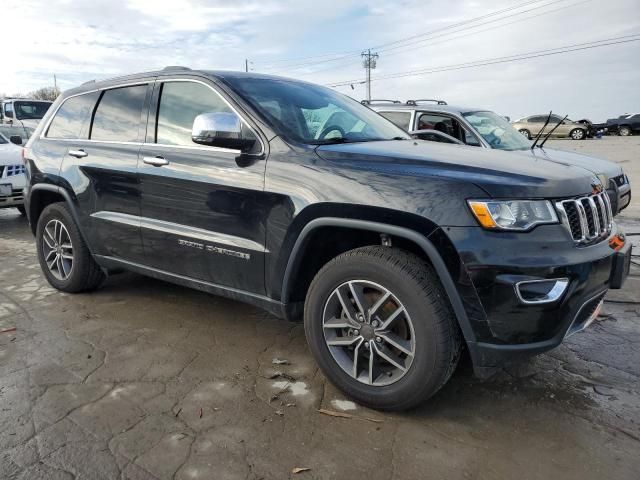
{"x":321,"y":41}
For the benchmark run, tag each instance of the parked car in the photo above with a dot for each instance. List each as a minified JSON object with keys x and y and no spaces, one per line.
{"x":624,"y":125}
{"x":434,"y":120}
{"x":25,"y":112}
{"x":531,"y":126}
{"x":12,"y":179}
{"x":395,"y":251}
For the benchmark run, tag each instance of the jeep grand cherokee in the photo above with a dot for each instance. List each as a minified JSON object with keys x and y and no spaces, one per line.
{"x":396,"y":252}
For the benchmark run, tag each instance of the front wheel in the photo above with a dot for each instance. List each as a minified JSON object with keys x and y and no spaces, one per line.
{"x":381,"y":328}
{"x":64,"y":257}
{"x":22,"y":210}
{"x":577,"y":134}
{"x":526,"y":133}
{"x":624,"y":131}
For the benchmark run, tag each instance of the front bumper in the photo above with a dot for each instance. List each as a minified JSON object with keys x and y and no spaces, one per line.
{"x":492,"y":264}
{"x":17,"y":183}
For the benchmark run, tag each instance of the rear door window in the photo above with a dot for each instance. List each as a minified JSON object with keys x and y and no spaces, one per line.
{"x":72,"y":118}
{"x":401,"y":119}
{"x":117,"y":118}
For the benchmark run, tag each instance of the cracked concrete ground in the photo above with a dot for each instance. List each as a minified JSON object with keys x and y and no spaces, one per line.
{"x":146,"y":380}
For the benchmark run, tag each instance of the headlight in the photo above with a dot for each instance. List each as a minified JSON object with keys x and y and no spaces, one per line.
{"x":512,"y":214}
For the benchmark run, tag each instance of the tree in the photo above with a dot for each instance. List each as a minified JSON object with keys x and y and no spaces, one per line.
{"x":45,"y":93}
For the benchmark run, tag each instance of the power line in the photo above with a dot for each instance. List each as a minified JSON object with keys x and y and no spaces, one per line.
{"x":352,"y":60}
{"x":497,"y":60}
{"x":354,"y":53}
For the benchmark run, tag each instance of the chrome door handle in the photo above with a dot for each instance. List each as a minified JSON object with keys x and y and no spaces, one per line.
{"x":155,"y":161}
{"x":78,"y":153}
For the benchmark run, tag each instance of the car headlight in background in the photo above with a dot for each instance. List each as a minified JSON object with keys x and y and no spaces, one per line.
{"x":513,"y":214}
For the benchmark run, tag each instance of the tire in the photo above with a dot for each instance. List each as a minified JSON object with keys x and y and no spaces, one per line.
{"x":624,"y":131}
{"x":577,"y":134}
{"x":429,"y":320}
{"x":526,"y":133}
{"x":22,"y":210}
{"x":79,"y":272}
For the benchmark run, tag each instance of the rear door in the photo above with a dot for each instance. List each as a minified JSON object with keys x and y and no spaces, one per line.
{"x":202,"y":208}
{"x":104,"y":170}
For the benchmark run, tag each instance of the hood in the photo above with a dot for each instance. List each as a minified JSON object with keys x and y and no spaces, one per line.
{"x":603,"y":169}
{"x":10,"y":154}
{"x":499,"y":173}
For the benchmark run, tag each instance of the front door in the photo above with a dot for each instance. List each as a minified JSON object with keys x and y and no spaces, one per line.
{"x":202,"y":214}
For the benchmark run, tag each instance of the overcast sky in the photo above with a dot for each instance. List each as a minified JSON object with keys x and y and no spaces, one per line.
{"x":82,"y":40}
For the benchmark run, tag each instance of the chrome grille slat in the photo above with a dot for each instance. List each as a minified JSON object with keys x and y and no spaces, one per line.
{"x":587,"y":218}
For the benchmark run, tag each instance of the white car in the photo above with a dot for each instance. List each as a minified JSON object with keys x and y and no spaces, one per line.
{"x":12,"y":179}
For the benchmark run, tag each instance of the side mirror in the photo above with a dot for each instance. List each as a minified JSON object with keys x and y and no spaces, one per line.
{"x":17,"y":139}
{"x":222,"y":129}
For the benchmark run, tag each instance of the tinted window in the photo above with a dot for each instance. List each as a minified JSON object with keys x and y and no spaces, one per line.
{"x":118,"y":114}
{"x":401,"y":119}
{"x":180,"y":104}
{"x":72,"y":118}
{"x":537,"y":119}
{"x":8,"y":109}
{"x":31,"y":110}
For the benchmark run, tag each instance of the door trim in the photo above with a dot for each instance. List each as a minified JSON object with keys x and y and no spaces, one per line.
{"x":180,"y":230}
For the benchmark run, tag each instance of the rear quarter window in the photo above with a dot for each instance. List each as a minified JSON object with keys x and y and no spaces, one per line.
{"x":72,"y":118}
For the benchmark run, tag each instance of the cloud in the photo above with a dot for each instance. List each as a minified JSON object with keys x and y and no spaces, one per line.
{"x":80,"y":40}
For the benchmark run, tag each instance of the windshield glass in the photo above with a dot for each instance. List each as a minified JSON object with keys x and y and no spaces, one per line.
{"x":497,"y":131}
{"x":30,"y":110}
{"x":313,"y":114}
{"x":3,"y":140}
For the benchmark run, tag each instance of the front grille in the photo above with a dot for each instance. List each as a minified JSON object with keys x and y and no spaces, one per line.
{"x":587,"y":218}
{"x":11,"y":170}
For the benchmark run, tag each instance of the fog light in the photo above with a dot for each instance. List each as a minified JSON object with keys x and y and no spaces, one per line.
{"x":541,"y":291}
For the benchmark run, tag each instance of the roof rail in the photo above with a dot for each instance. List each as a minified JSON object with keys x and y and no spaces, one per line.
{"x":415,"y":102}
{"x":89,"y":81}
{"x":175,"y":67}
{"x":378,"y":100}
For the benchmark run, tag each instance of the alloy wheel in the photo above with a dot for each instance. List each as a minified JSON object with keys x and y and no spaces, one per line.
{"x":369,"y":332}
{"x":57,"y":249}
{"x":577,"y":134}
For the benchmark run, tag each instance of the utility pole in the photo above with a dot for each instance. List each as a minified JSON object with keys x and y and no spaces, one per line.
{"x":55,"y":82}
{"x":369,"y":62}
{"x":246,"y":64}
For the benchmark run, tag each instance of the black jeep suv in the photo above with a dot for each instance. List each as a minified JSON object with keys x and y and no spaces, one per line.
{"x":397,"y":252}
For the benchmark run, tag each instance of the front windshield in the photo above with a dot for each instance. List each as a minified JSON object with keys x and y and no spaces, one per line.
{"x":497,"y":131}
{"x":30,"y":110}
{"x":3,"y":140}
{"x":312,"y":114}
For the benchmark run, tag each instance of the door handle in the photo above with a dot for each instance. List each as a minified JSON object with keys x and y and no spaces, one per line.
{"x":78,"y":153}
{"x":155,"y":161}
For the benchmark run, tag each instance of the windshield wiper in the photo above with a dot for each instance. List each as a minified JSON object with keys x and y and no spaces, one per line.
{"x":533,"y":145}
{"x":552,"y":130}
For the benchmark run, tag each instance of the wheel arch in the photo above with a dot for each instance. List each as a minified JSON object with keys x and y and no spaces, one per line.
{"x":419,"y":240}
{"x":43,"y":194}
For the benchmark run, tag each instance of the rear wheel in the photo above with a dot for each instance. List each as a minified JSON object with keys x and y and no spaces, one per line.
{"x":526,"y":133}
{"x":64,"y":257}
{"x":624,"y":131}
{"x":380,"y":327}
{"x":577,"y":134}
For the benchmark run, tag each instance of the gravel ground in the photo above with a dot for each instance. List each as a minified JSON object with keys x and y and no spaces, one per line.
{"x":143,"y":380}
